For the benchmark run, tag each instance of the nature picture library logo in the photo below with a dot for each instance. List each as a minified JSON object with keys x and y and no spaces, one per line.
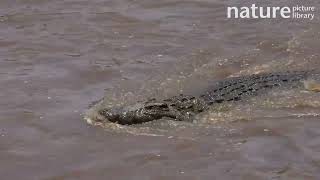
{"x":256,"y":12}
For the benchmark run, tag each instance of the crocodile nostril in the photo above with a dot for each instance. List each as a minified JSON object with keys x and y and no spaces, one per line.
{"x":104,"y":112}
{"x":107,"y":113}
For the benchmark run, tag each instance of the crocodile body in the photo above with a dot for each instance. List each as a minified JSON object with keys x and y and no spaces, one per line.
{"x":185,"y":107}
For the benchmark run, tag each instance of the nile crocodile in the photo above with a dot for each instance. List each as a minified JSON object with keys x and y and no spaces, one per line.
{"x":185,"y":107}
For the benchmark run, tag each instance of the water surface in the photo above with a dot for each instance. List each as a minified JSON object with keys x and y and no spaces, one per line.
{"x":59,"y":56}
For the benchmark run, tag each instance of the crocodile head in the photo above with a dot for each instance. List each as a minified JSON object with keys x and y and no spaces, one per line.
{"x":132,"y":114}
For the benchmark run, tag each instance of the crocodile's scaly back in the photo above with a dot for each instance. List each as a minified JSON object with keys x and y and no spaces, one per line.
{"x":234,"y":89}
{"x":184,"y":107}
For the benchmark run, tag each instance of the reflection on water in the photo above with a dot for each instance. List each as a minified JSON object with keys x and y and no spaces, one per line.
{"x":59,"y":56}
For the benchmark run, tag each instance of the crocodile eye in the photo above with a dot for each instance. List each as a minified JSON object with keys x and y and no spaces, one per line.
{"x":163,"y":106}
{"x":157,"y":105}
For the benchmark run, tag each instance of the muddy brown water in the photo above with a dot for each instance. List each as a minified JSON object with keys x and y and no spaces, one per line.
{"x":56,"y":57}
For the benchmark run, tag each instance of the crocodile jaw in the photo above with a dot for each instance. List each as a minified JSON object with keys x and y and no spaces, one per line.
{"x":92,"y":115}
